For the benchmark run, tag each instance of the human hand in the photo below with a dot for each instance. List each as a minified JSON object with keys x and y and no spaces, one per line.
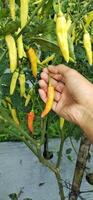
{"x":73,"y":92}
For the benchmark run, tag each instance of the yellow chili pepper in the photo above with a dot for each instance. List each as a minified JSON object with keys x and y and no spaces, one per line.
{"x":14,"y":81}
{"x":12,"y":9}
{"x":24,"y":5}
{"x":71,"y":48}
{"x":4,"y":103}
{"x":61,"y":122}
{"x":13,"y":114}
{"x":73,"y":33}
{"x":22,"y":81}
{"x":61,"y":24}
{"x":63,"y":44}
{"x":20,"y":45}
{"x":88,"y":46}
{"x":12,"y":52}
{"x":48,"y":59}
{"x":61,"y":31}
{"x":68,"y":24}
{"x":88,"y":18}
{"x":49,"y":103}
{"x":28,"y":97}
{"x":33,"y":60}
{"x":8,"y":100}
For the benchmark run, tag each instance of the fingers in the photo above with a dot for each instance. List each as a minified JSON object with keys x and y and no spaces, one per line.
{"x":58,"y":73}
{"x":43,"y":95}
{"x":45,"y":76}
{"x":59,"y":69}
{"x":43,"y":85}
{"x":57,"y":85}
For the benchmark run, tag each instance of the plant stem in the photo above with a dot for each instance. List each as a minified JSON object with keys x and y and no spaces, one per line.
{"x":73,"y":145}
{"x":60,"y":150}
{"x":60,"y":185}
{"x":43,"y":130}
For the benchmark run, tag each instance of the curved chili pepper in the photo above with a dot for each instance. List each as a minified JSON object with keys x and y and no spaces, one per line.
{"x":22,"y":83}
{"x":30,"y":120}
{"x":48,"y":59}
{"x":49,"y":102}
{"x":61,"y":31}
{"x":12,"y":52}
{"x":61,"y":122}
{"x":28,"y":97}
{"x":12,"y":9}
{"x":71,"y":48}
{"x":20,"y":45}
{"x":33,"y":60}
{"x":88,"y":46}
{"x":13,"y":114}
{"x":14,"y":81}
{"x":24,"y":12}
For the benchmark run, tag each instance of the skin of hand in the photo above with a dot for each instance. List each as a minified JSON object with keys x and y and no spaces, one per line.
{"x":73,"y":95}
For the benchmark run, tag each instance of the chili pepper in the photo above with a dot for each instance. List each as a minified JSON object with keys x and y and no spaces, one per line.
{"x":12,"y":52}
{"x":61,"y":31}
{"x":13,"y":114}
{"x":8,"y":100}
{"x":4,"y":103}
{"x":49,"y":103}
{"x":88,"y":46}
{"x":20,"y":45}
{"x":88,"y":18}
{"x":92,"y":28}
{"x":61,"y":24}
{"x":63,"y":44}
{"x":71,"y":47}
{"x":73,"y":32}
{"x":33,"y":60}
{"x":68,"y":24}
{"x":14,"y":81}
{"x":48,"y":59}
{"x":61,"y":122}
{"x":28,"y":97}
{"x":30,"y":120}
{"x":24,"y":12}
{"x":12,"y":9}
{"x":22,"y":80}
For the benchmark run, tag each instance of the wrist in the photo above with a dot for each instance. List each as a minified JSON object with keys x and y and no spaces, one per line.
{"x":86,"y":123}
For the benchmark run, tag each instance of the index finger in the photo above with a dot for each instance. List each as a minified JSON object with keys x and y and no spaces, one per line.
{"x":58,"y":69}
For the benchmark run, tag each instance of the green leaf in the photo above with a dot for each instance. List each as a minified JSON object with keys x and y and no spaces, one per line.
{"x":46,"y":44}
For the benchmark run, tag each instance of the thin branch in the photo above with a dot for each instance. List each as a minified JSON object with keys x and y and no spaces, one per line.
{"x":73,"y":145}
{"x":59,"y":181}
{"x":60,"y":149}
{"x":43,"y":130}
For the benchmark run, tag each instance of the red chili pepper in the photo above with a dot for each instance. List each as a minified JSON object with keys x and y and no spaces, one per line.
{"x":30,"y":120}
